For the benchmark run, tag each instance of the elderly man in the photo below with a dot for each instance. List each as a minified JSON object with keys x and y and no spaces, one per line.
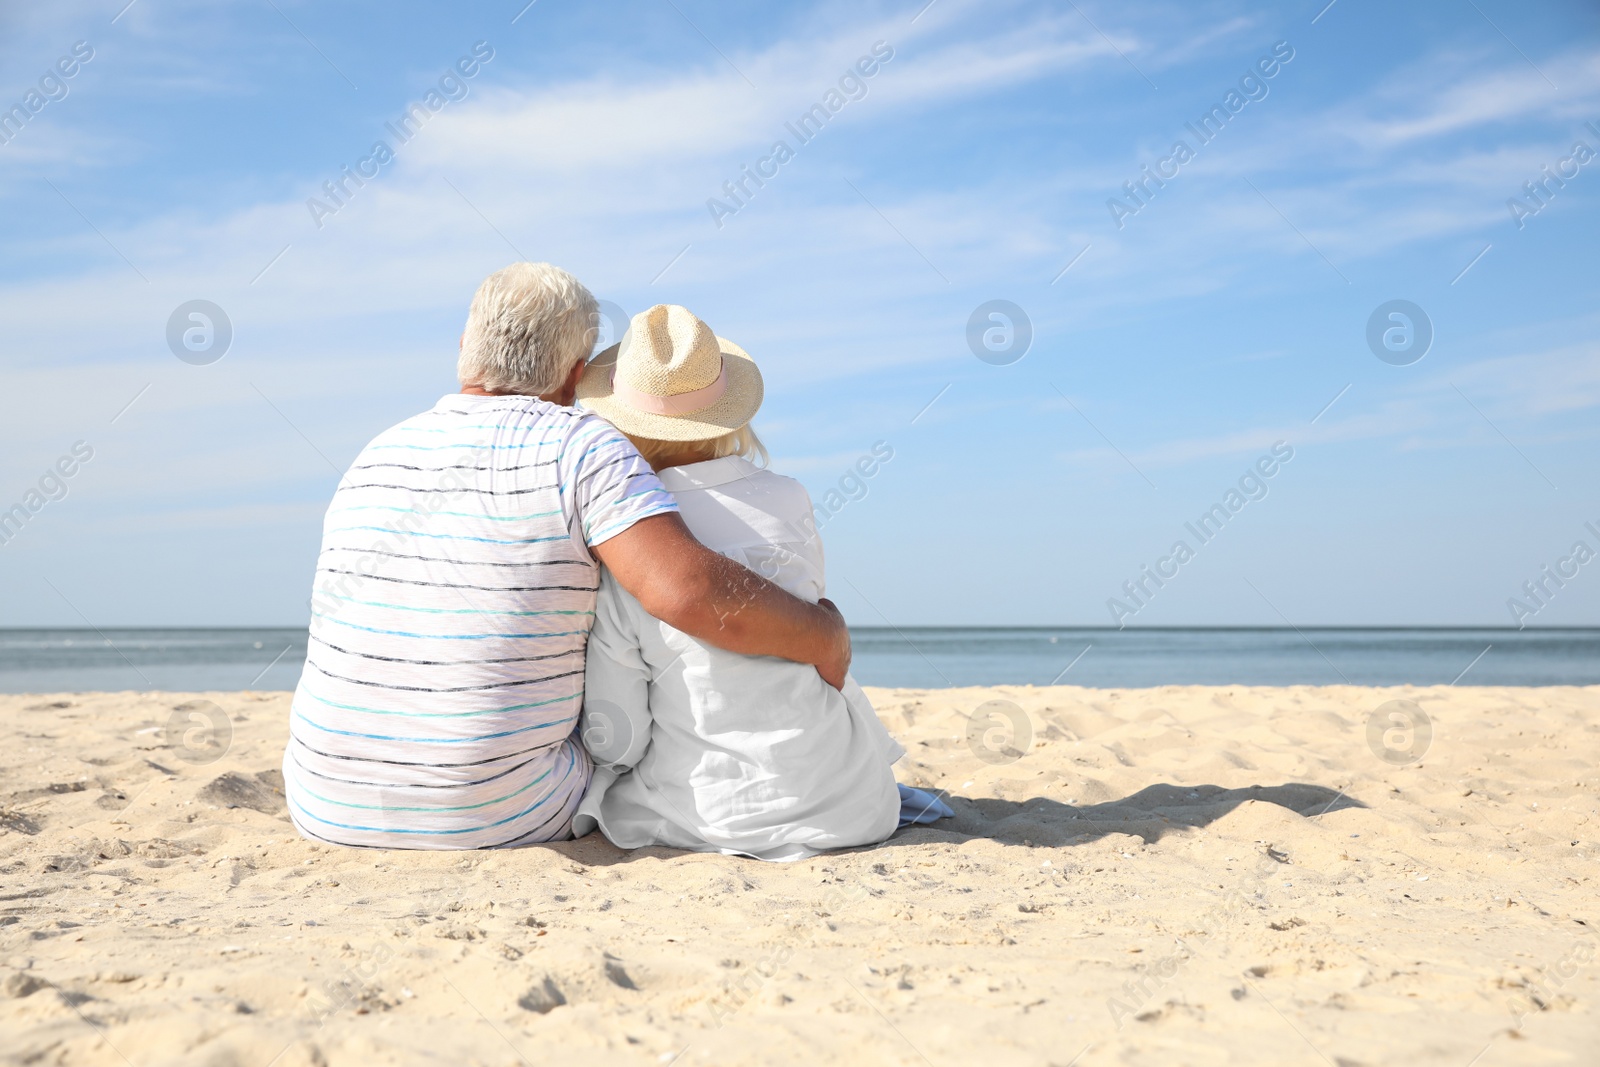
{"x":456,"y":588}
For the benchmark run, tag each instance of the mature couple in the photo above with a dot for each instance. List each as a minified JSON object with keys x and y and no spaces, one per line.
{"x":568,"y":598}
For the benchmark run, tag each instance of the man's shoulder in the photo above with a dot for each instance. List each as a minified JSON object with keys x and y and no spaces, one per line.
{"x":591,"y":442}
{"x":462,"y":414}
{"x":499,"y":410}
{"x":592,"y":425}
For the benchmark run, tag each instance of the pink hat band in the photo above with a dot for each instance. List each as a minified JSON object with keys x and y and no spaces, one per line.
{"x":676,"y":404}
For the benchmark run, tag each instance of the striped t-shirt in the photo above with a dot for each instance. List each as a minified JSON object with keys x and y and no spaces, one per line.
{"x":453,"y":600}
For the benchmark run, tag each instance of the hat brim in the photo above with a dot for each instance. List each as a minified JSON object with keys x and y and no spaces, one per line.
{"x":734,"y":409}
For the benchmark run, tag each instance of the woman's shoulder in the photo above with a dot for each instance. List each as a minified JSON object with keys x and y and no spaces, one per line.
{"x":735,"y":476}
{"x":779,"y":483}
{"x":778,"y":495}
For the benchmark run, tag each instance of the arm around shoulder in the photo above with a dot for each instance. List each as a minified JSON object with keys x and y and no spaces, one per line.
{"x":707,"y":596}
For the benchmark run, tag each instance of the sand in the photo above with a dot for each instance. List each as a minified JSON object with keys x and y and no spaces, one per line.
{"x":1181,"y":875}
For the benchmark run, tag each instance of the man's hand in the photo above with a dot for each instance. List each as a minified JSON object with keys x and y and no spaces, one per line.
{"x":833,"y":671}
{"x":708,"y":596}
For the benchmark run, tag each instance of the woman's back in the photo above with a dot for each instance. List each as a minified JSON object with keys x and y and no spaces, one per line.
{"x":704,"y":749}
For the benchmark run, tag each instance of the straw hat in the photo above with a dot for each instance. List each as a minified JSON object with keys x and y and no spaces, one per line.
{"x":671,"y":379}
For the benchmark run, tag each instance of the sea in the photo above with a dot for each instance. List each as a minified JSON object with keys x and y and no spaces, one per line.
{"x":189,"y":660}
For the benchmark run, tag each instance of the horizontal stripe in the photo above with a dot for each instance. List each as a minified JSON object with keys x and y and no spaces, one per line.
{"x":467,"y":562}
{"x":496,"y":758}
{"x":445,"y":637}
{"x":592,"y":450}
{"x":439,"y":714}
{"x":597,"y":468}
{"x":429,"y":740}
{"x":453,"y":467}
{"x":451,"y":537}
{"x":550,"y":411}
{"x":408,"y":428}
{"x":449,"y":611}
{"x":465,"y":830}
{"x":454,"y":807}
{"x":415,"y":830}
{"x":464,"y":489}
{"x":449,"y":514}
{"x":557,"y":826}
{"x":448,"y":663}
{"x":449,"y":585}
{"x":313,"y":835}
{"x":625,"y":524}
{"x":461,"y":447}
{"x":411,"y":785}
{"x":428,"y":689}
{"x":655,"y":491}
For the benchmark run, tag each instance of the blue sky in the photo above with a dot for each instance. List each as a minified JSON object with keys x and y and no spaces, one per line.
{"x":974,"y":165}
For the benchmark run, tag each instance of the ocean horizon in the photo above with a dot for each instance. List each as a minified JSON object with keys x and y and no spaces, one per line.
{"x":189,"y":659}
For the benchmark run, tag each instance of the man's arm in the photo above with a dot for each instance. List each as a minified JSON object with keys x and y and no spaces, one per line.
{"x":712,"y":598}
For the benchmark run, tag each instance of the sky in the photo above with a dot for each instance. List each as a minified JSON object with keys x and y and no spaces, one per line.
{"x":1068,"y":369}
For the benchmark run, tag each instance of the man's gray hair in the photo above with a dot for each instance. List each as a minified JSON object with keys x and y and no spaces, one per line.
{"x":530,"y":324}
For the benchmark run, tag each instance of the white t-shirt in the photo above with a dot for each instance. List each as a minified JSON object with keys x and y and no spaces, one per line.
{"x":454,"y":596}
{"x":699,"y":748}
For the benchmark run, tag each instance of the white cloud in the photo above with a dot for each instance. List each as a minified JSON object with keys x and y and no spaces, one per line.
{"x":1523,"y":392}
{"x":1451,"y":93}
{"x":609,"y":176}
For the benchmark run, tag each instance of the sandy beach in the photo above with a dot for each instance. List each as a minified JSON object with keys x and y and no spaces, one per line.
{"x":1179,"y":875}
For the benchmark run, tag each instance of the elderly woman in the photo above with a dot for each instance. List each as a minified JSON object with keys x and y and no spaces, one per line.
{"x":696,"y":747}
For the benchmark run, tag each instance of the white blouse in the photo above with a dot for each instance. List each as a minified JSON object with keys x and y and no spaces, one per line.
{"x":712,"y":751}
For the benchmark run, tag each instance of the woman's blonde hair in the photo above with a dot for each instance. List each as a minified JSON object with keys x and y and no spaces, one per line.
{"x":741,"y":442}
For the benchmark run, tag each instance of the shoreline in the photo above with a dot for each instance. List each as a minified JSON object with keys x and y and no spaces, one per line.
{"x":1183,"y":873}
{"x":242,"y":660}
